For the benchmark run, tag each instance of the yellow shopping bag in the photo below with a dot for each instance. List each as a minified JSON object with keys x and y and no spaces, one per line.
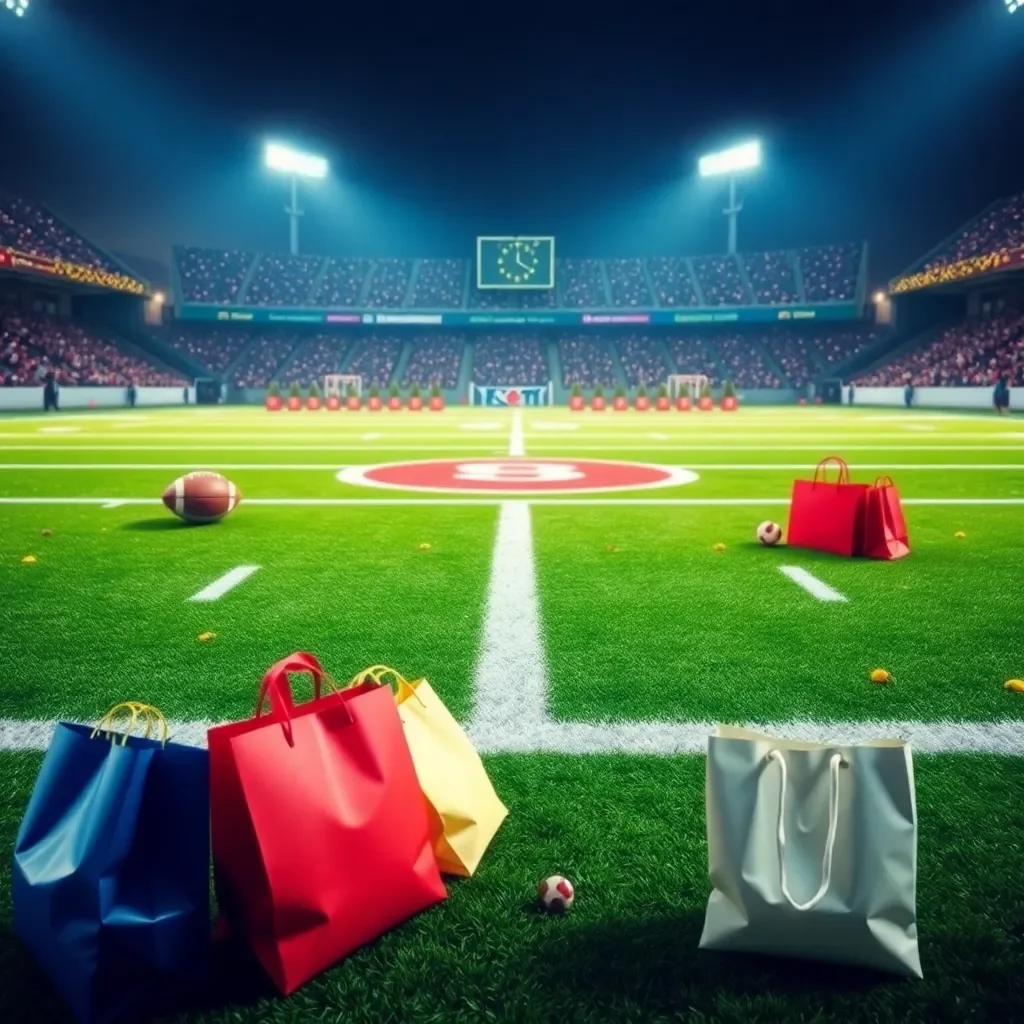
{"x":464,"y":810}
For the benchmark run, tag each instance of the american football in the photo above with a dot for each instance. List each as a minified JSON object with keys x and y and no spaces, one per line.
{"x":201,"y":497}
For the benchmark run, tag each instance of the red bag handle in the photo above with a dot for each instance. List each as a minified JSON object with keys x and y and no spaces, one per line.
{"x":277,"y":686}
{"x":822,"y":470}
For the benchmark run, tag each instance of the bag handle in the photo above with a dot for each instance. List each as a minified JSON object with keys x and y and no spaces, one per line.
{"x":822,"y":470}
{"x":883,"y":481}
{"x":380,"y":675}
{"x":150,"y":714}
{"x":834,"y":764}
{"x":277,"y":686}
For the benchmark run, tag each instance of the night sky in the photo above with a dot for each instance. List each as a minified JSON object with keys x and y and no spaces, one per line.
{"x":142,"y":123}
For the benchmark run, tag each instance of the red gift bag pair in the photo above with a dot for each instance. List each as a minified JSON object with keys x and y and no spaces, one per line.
{"x":845,"y":518}
{"x":320,"y":834}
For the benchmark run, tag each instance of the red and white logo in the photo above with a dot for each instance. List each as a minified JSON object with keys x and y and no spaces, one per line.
{"x":516,"y":476}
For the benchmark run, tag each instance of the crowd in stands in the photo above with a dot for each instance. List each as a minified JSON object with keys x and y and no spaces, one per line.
{"x":830,"y":273}
{"x":436,"y":360}
{"x":213,"y":349}
{"x":375,"y":358}
{"x":628,"y":285}
{"x":262,"y":361}
{"x":975,"y":352}
{"x":439,"y":284}
{"x":317,"y":357}
{"x":283,"y":280}
{"x":581,"y":284}
{"x":587,"y":361}
{"x":672,"y":281}
{"x":693,"y":355}
{"x":642,"y":360}
{"x":32,"y":346}
{"x":509,"y":359}
{"x":342,"y":283}
{"x":389,"y":284}
{"x":772,"y":278}
{"x":211,"y":275}
{"x":31,"y":228}
{"x":741,"y":360}
{"x":999,"y":227}
{"x":720,"y":281}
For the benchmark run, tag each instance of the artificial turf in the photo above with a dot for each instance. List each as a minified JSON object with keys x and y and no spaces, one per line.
{"x":661,"y":627}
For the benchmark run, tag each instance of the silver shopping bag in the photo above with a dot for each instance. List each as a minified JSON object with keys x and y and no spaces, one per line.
{"x":812,"y":850}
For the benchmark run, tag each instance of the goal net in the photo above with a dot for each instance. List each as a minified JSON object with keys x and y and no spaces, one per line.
{"x":511,"y":394}
{"x":686,"y":384}
{"x":337,"y":384}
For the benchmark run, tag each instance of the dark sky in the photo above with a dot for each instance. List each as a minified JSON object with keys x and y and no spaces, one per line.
{"x":142,"y":123}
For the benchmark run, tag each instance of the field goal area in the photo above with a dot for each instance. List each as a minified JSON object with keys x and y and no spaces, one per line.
{"x":686,"y":384}
{"x":512,"y":394}
{"x":337,"y":384}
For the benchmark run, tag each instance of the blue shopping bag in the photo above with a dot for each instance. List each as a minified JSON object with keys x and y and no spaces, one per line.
{"x":112,"y":866}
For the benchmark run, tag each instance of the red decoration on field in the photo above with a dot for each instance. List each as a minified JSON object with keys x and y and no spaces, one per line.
{"x":201,"y":497}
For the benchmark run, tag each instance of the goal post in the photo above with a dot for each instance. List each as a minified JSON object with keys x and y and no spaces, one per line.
{"x":337,"y":384}
{"x":686,"y":384}
{"x":514,"y":395}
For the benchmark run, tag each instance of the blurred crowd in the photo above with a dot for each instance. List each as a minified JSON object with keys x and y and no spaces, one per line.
{"x":587,"y":361}
{"x":509,"y":359}
{"x":436,"y":360}
{"x":263,"y":361}
{"x":976,"y":352}
{"x":225,"y":277}
{"x":997,"y":228}
{"x":31,"y":228}
{"x":31,"y":346}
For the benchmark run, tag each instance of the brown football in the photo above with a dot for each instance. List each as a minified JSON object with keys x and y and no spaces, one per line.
{"x":201,"y":497}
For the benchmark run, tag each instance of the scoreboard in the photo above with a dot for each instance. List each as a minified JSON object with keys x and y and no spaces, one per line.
{"x":515,"y":262}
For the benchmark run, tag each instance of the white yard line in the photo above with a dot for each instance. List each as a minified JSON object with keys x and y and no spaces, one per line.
{"x":113,"y":504}
{"x":815,"y":587}
{"x":216,"y":446}
{"x":219,"y":587}
{"x":744,"y":467}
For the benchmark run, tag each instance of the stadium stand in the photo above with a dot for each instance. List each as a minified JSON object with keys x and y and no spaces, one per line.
{"x":261,"y":360}
{"x":283,"y":280}
{"x":835,"y":346}
{"x":211,"y":275}
{"x":772,"y":277}
{"x":693,"y":355}
{"x":389,"y":284}
{"x":720,"y":280}
{"x":32,"y":345}
{"x":581,"y":283}
{"x":999,"y":227}
{"x":673,"y":283}
{"x":434,"y":360}
{"x":975,"y":352}
{"x":628,"y":285}
{"x":439,"y":284}
{"x":586,"y":361}
{"x":642,"y":360}
{"x":342,"y":283}
{"x":374,"y":360}
{"x":212,"y":348}
{"x":830,"y":273}
{"x":742,"y":361}
{"x":316,"y":358}
{"x":31,"y":228}
{"x":509,"y":359}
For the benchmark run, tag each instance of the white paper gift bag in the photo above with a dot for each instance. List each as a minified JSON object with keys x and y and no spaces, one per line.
{"x":812,"y":850}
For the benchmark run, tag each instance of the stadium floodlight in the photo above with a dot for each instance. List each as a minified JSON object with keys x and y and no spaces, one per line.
{"x":880,"y":297}
{"x":1014,"y":5}
{"x":17,"y":7}
{"x":732,"y":162}
{"x":285,"y":160}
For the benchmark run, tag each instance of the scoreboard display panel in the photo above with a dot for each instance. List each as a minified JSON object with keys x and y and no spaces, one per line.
{"x":515,"y":262}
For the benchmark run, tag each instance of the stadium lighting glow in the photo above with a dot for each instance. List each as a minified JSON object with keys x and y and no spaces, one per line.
{"x":18,"y":7}
{"x":291,"y":161}
{"x":1013,"y":5}
{"x":746,"y":157}
{"x":879,"y":297}
{"x":158,"y":298}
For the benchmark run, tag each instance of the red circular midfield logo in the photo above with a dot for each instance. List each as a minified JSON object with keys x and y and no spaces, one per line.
{"x":516,"y":476}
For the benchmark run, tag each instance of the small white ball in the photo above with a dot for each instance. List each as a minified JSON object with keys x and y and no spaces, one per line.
{"x":769,"y":533}
{"x":556,"y":894}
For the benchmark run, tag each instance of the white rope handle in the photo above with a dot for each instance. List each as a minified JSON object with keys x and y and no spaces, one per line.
{"x":830,"y":839}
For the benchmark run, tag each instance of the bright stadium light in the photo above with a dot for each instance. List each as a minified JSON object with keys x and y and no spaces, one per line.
{"x":285,"y":160}
{"x":732,"y":162}
{"x":1014,"y":5}
{"x":17,"y":7}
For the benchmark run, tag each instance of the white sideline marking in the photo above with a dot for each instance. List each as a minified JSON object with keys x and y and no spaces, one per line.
{"x":918,"y":426}
{"x":219,"y":587}
{"x":659,"y":437}
{"x":491,"y":500}
{"x":113,"y":504}
{"x":213,"y":445}
{"x":58,"y":430}
{"x":656,"y":738}
{"x":370,"y":437}
{"x":813,"y":586}
{"x":517,"y":442}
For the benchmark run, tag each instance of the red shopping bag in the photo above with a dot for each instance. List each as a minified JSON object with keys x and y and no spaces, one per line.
{"x":319,"y":828}
{"x":884,"y":530}
{"x":826,"y":516}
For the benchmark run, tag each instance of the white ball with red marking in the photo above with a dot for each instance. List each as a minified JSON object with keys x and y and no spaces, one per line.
{"x":556,"y":894}
{"x":201,"y":497}
{"x":769,"y":533}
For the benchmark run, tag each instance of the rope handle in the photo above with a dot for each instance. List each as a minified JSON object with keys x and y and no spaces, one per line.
{"x":883,"y":481}
{"x":835,"y":762}
{"x":822,"y":470}
{"x":384,"y":675}
{"x":150,"y":714}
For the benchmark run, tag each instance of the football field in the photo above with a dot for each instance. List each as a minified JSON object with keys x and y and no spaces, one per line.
{"x":572,"y":610}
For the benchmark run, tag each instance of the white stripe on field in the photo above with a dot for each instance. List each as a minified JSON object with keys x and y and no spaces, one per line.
{"x":796,"y":467}
{"x":655,"y":738}
{"x":113,"y":504}
{"x":219,"y":587}
{"x":815,"y":587}
{"x":517,"y":442}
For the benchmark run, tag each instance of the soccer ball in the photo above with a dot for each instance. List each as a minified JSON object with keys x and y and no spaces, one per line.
{"x":769,"y":533}
{"x":556,"y":894}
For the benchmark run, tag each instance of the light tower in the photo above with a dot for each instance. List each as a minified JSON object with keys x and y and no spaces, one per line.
{"x":296,"y":165}
{"x":732,"y":162}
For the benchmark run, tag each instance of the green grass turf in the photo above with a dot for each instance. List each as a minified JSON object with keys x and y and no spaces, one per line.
{"x":661,"y":628}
